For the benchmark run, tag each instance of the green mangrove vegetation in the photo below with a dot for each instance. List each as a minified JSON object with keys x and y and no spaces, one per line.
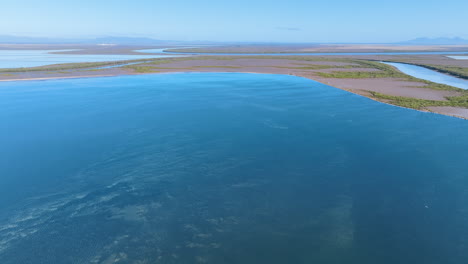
{"x":385,"y":71}
{"x":454,"y":101}
{"x":68,"y":66}
{"x":376,"y":70}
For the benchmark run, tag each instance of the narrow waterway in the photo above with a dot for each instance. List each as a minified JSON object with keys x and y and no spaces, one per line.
{"x":429,"y":75}
{"x":458,"y":57}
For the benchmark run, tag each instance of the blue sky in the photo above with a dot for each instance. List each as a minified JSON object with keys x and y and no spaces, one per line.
{"x":241,"y":20}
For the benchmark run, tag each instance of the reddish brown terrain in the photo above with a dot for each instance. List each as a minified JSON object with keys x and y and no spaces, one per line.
{"x":362,"y":74}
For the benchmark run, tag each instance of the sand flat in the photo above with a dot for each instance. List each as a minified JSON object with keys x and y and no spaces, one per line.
{"x":307,"y":67}
{"x":448,"y":110}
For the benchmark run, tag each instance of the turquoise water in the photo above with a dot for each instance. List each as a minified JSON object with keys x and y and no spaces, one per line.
{"x":225,"y":168}
{"x":429,"y":75}
{"x":33,"y":58}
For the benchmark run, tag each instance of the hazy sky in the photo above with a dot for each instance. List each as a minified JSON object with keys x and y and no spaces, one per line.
{"x":238,"y":20}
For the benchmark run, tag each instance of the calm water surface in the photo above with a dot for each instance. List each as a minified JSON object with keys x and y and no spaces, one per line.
{"x":459,"y":57}
{"x":430,"y":75}
{"x":33,"y":58}
{"x":226,"y":168}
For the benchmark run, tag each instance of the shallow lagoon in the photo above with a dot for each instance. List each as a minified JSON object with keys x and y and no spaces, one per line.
{"x":34,"y":58}
{"x":225,"y":168}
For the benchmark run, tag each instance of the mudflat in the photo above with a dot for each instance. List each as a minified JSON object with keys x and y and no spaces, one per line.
{"x":85,"y":49}
{"x":363,"y":75}
{"x":325,"y":48}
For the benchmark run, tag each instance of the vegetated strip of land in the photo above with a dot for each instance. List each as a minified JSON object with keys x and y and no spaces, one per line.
{"x":70,"y":66}
{"x":361,"y":75}
{"x":456,"y":71}
{"x":320,"y":48}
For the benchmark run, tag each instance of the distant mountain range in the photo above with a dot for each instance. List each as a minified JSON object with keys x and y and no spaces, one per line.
{"x":28,"y":40}
{"x":435,"y":41}
{"x":4,"y":39}
{"x":129,"y":41}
